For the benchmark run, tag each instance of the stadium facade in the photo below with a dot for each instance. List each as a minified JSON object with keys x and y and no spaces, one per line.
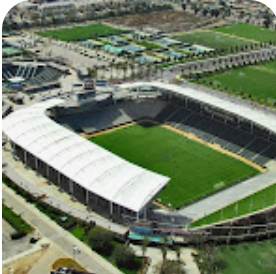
{"x":93,"y":175}
{"x":109,"y":184}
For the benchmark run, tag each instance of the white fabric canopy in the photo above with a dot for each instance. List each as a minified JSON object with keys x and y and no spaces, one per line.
{"x":92,"y":167}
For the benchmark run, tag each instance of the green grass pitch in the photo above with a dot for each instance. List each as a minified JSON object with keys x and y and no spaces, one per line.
{"x":254,"y":258}
{"x":195,"y":170}
{"x":81,"y":33}
{"x":249,"y":32}
{"x":260,"y":200}
{"x":257,"y":82}
{"x":212,"y":39}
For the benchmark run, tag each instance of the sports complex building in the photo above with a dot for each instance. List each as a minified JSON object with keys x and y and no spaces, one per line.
{"x":44,"y":137}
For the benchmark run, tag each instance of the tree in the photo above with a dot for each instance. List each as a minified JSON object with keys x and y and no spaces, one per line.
{"x":144,"y":246}
{"x":170,"y":267}
{"x":124,"y":256}
{"x":100,"y":240}
{"x":164,"y":251}
{"x":178,"y":252}
{"x":267,"y":22}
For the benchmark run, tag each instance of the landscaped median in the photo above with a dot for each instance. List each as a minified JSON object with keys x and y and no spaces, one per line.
{"x":104,"y":242}
{"x":22,"y":228}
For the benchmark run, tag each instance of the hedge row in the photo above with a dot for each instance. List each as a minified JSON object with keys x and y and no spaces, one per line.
{"x":22,"y":228}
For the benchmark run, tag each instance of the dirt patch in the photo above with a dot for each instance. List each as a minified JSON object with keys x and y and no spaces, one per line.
{"x":166,"y":21}
{"x":24,"y":264}
{"x":67,"y":263}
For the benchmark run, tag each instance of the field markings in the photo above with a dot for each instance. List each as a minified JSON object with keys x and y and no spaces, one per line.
{"x":234,"y":36}
{"x":190,"y":136}
{"x":161,"y":205}
{"x":215,"y":147}
{"x":264,"y":69}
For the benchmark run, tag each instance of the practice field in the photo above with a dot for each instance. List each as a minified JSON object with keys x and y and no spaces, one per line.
{"x":260,"y":200}
{"x":195,"y":170}
{"x":253,"y":258}
{"x":81,"y":33}
{"x":212,"y":39}
{"x":249,"y":32}
{"x":257,"y":82}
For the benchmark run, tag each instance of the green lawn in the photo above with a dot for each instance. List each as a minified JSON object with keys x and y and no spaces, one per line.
{"x":255,"y":82}
{"x":81,"y":33}
{"x":212,"y":39}
{"x":195,"y":170}
{"x":15,"y":220}
{"x":253,"y":203}
{"x":249,"y":32}
{"x":253,"y":258}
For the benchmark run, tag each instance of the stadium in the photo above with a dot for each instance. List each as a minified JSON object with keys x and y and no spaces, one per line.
{"x":31,"y":77}
{"x":62,"y":142}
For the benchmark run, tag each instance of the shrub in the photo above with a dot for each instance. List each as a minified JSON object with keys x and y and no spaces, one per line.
{"x":33,"y":240}
{"x":18,"y":235}
{"x":100,"y":240}
{"x":124,"y":257}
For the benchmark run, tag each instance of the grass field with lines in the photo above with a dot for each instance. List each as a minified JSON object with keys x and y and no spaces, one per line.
{"x":81,"y":33}
{"x":249,"y":32}
{"x":195,"y":170}
{"x":262,"y":199}
{"x":211,"y":39}
{"x":257,"y":82}
{"x":254,"y":258}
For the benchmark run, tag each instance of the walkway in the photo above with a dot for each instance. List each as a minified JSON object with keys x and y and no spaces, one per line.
{"x":155,"y":255}
{"x":38,"y":187}
{"x":229,"y":196}
{"x":50,"y":230}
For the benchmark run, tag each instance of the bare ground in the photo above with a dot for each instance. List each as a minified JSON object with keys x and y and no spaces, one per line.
{"x":166,"y":21}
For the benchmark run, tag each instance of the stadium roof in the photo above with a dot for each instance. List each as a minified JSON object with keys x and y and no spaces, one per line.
{"x":82,"y":161}
{"x":261,"y":118}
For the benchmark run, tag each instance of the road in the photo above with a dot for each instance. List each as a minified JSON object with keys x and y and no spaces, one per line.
{"x":50,"y":230}
{"x":25,"y":182}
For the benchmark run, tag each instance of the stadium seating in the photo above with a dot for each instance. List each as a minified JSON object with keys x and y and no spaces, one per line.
{"x":32,"y":75}
{"x":214,"y":130}
{"x":235,"y":139}
{"x":111,"y":116}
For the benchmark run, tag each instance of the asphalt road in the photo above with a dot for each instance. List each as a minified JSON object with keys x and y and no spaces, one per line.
{"x":88,"y":258}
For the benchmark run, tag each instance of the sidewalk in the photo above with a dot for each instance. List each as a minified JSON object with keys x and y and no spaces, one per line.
{"x":63,"y":239}
{"x":155,"y":255}
{"x":37,"y":186}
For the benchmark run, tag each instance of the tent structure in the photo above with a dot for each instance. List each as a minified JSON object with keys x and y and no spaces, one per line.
{"x":81,"y":163}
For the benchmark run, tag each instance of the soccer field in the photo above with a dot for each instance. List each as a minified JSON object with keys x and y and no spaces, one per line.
{"x":249,"y":32}
{"x":257,"y":82}
{"x":212,"y":39}
{"x":81,"y":33}
{"x":195,"y":170}
{"x":254,"y":258}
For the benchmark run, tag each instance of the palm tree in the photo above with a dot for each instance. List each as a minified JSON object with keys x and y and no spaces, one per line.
{"x":164,"y":251}
{"x":177,"y":250}
{"x":144,"y":246}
